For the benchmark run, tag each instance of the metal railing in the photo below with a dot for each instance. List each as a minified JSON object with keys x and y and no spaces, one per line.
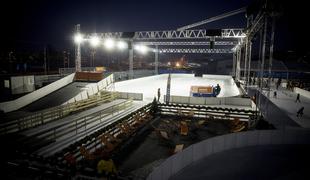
{"x":54,"y":113}
{"x":80,"y":125}
{"x":202,"y":111}
{"x":93,"y":142}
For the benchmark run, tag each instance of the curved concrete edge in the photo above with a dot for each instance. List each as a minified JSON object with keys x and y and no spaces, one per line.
{"x":92,"y":90}
{"x":198,"y":151}
{"x":35,"y":95}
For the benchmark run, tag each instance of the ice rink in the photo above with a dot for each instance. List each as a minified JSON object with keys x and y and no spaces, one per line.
{"x":180,"y":85}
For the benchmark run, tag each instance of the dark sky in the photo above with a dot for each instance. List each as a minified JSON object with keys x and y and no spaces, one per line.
{"x":53,"y":22}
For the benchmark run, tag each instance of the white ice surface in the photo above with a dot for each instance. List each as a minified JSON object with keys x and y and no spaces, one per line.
{"x":180,"y":85}
{"x":286,"y":102}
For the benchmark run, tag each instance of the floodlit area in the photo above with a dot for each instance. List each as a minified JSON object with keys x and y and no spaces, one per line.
{"x":180,"y":85}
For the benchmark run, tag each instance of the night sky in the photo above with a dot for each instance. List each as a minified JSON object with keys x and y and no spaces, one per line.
{"x":52,"y":22}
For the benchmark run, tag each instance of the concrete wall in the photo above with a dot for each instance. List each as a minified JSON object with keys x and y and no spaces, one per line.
{"x":234,"y":101}
{"x":198,"y":151}
{"x":302,"y":92}
{"x":35,"y":95}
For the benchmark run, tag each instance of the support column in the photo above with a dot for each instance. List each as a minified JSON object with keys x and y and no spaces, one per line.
{"x":245,"y":61}
{"x":263,"y":54}
{"x":45,"y":63}
{"x":249,"y":59}
{"x":156,"y":59}
{"x":77,"y":51}
{"x":271,"y":53}
{"x":130,"y":60}
{"x":233,"y":73}
{"x":238,"y":64}
{"x":92,"y":60}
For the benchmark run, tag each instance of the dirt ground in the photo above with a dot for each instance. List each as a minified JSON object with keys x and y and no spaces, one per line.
{"x":160,"y":142}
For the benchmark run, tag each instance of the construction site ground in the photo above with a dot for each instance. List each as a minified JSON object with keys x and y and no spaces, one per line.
{"x":153,"y":147}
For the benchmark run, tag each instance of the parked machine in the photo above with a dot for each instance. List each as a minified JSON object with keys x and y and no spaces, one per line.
{"x":205,"y":91}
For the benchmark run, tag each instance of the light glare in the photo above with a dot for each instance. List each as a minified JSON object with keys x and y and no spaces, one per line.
{"x":122,"y":45}
{"x":94,"y":41}
{"x":142,"y":49}
{"x":109,"y":43}
{"x":78,"y":38}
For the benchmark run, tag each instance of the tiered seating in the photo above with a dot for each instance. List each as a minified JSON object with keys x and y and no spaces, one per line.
{"x":110,"y":139}
{"x":86,"y":154}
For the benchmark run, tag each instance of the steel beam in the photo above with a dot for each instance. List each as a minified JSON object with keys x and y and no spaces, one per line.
{"x":156,"y":59}
{"x":186,"y":43}
{"x":195,"y":51}
{"x":171,"y":34}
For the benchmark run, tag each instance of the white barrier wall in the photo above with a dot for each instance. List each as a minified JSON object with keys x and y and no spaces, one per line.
{"x":35,"y":95}
{"x":92,"y":89}
{"x":234,"y":101}
{"x":284,"y":84}
{"x":211,"y":76}
{"x":124,"y":75}
{"x":22,"y":84}
{"x":201,"y":150}
{"x":134,"y":96}
{"x":302,"y":92}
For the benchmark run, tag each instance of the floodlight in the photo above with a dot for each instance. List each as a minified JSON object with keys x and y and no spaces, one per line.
{"x":122,"y":45}
{"x":94,"y":41}
{"x":141,"y":48}
{"x":78,"y":38}
{"x":109,"y":43}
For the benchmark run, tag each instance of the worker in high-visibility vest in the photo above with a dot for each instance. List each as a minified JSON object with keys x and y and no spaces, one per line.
{"x":106,"y":167}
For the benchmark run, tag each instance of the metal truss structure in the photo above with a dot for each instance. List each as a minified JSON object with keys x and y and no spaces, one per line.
{"x":187,"y":34}
{"x":195,"y":51}
{"x":186,"y":43}
{"x":171,"y":34}
{"x":229,"y":39}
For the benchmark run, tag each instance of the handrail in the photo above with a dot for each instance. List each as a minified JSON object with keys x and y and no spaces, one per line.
{"x":112,"y":129}
{"x":56,"y":132}
{"x":202,"y":111}
{"x":54,"y":113}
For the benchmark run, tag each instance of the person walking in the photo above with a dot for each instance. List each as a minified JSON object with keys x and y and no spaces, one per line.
{"x":275,"y":94}
{"x":298,"y":98}
{"x":158,"y":94}
{"x":300,"y":112}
